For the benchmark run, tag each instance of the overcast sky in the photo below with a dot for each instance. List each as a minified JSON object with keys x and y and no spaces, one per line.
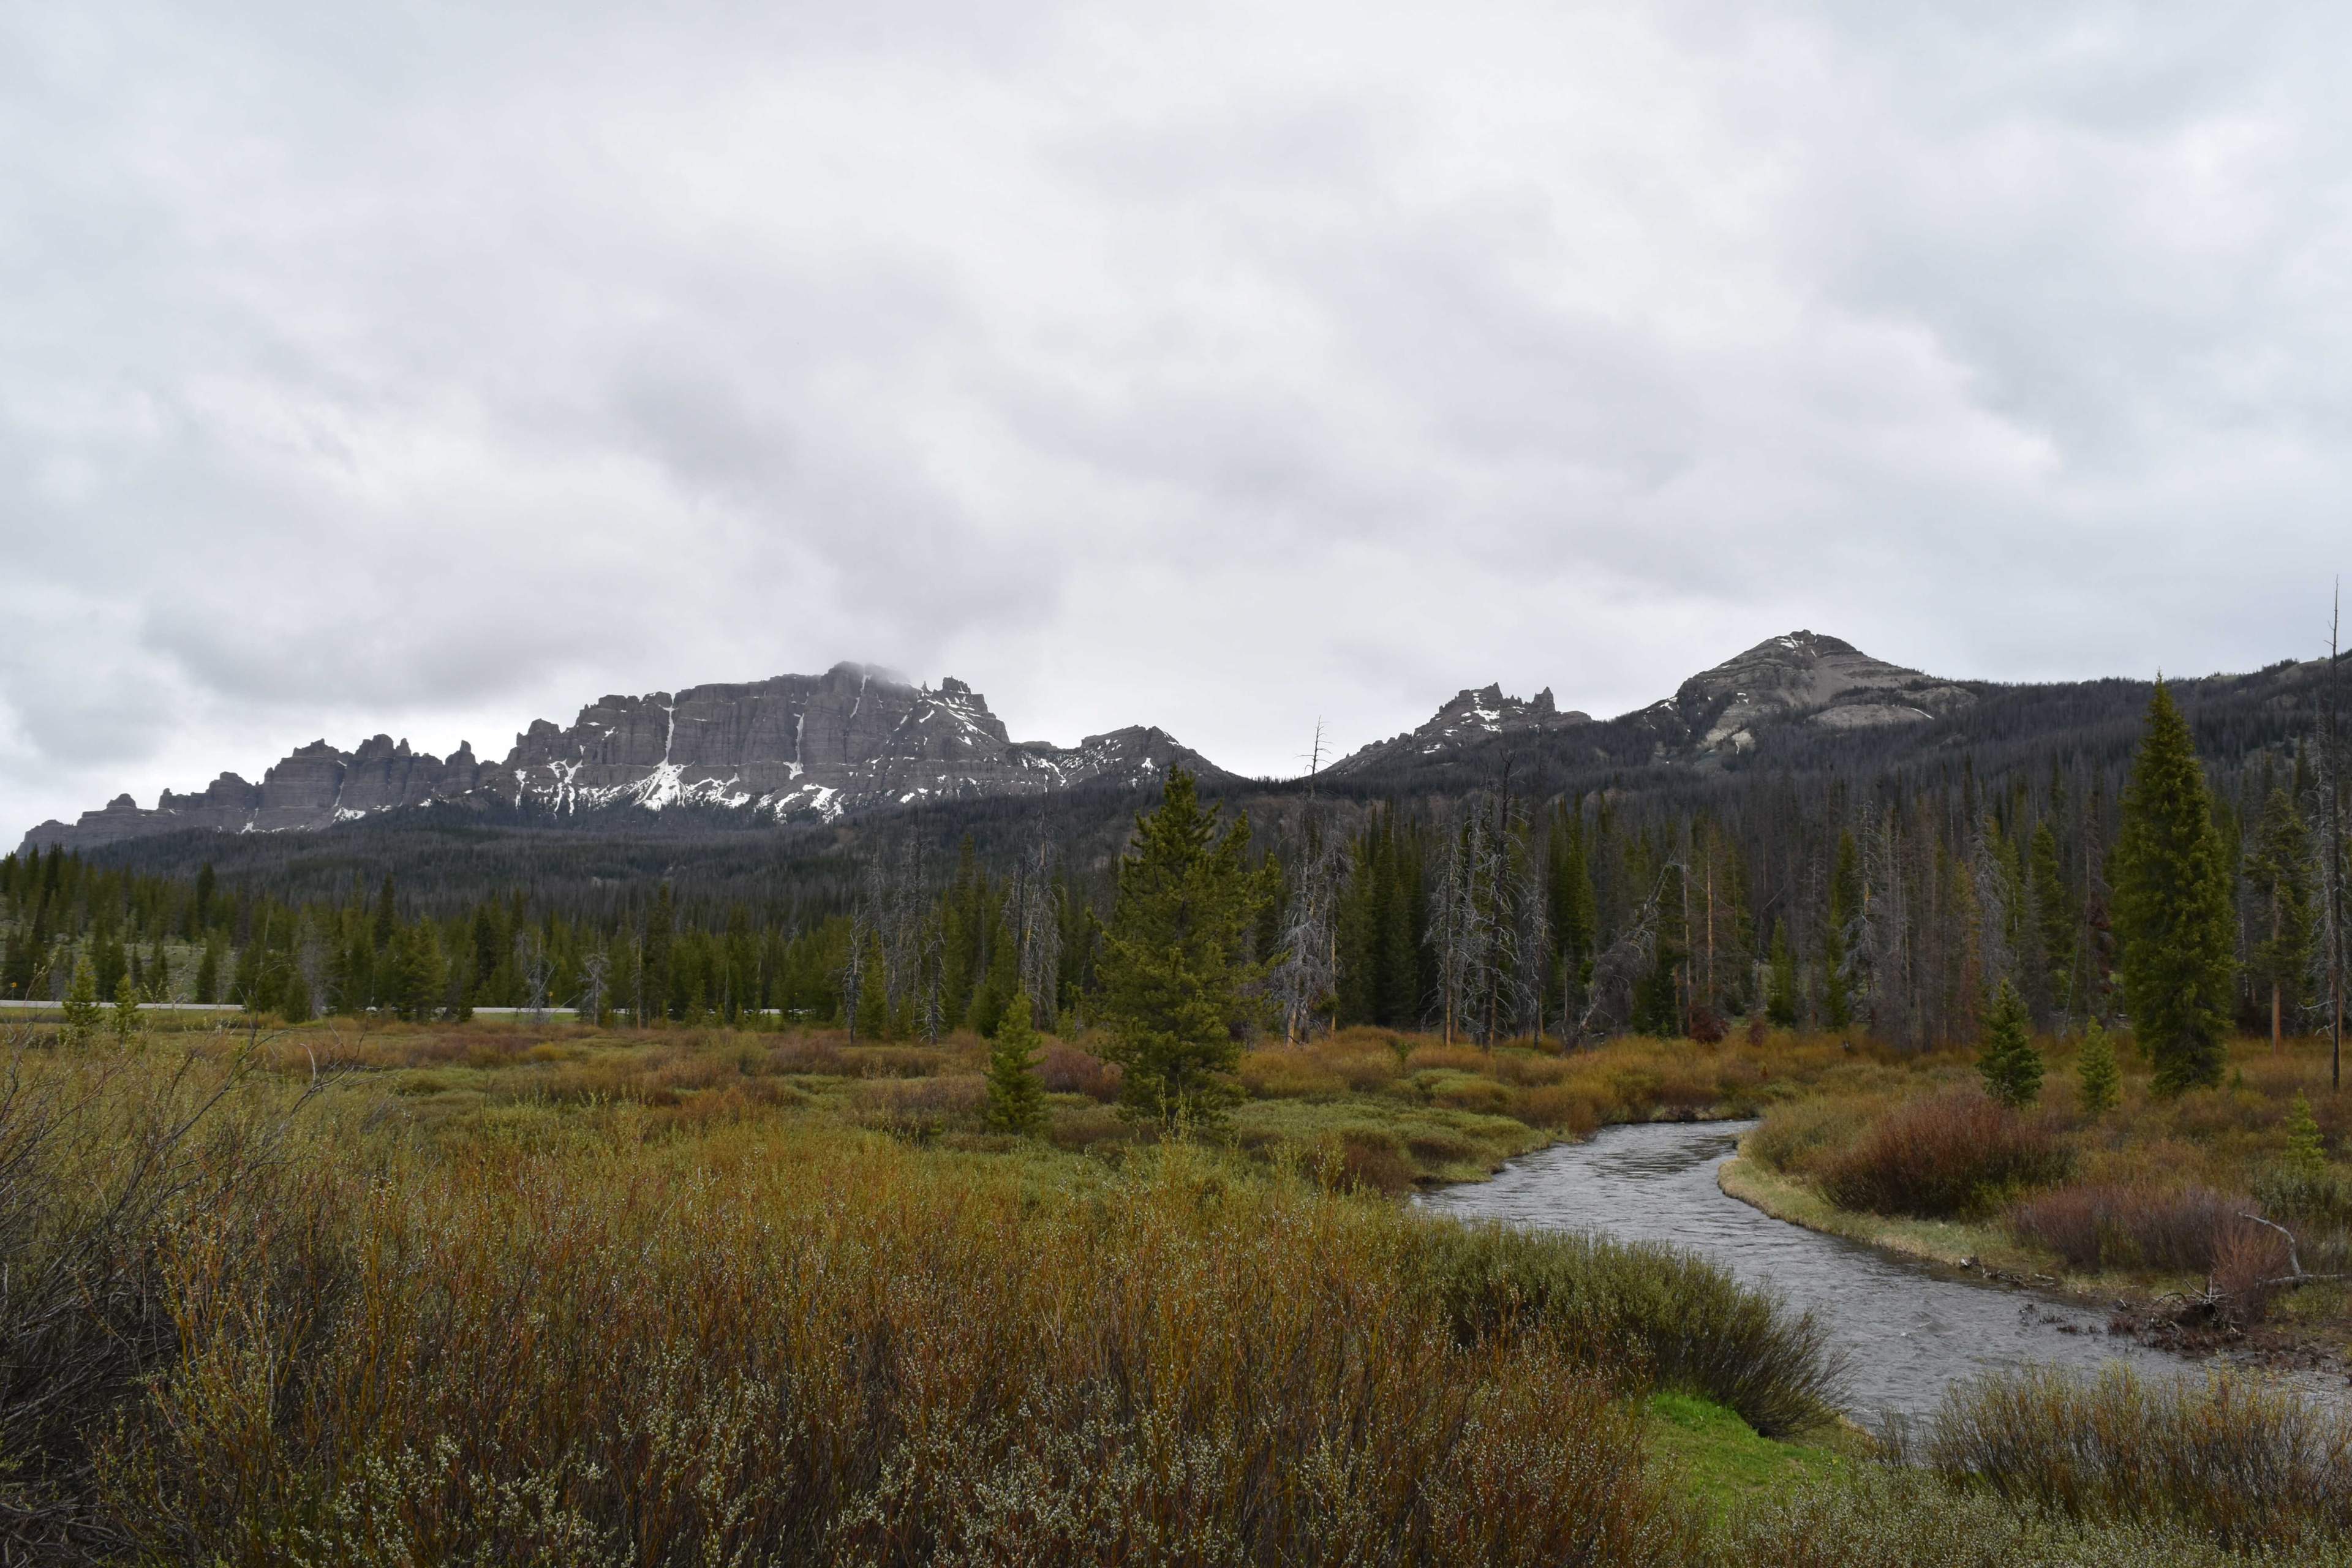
{"x":1213,"y":366}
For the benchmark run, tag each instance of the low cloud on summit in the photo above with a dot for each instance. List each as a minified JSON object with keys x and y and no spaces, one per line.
{"x":1216,"y":367}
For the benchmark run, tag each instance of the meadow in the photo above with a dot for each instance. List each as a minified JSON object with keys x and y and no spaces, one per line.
{"x":496,"y":1292}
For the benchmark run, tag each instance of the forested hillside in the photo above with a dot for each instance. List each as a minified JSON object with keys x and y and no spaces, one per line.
{"x":1883,"y":881}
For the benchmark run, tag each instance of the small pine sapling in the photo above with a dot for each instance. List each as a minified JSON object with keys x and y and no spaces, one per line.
{"x":126,"y":1013}
{"x":2306,"y":1155}
{"x":2096,"y":1071}
{"x":81,"y":1009}
{"x":1016,"y":1095}
{"x":2010,"y":1066}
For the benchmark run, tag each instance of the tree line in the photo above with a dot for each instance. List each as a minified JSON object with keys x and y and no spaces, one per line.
{"x":1897,"y":908}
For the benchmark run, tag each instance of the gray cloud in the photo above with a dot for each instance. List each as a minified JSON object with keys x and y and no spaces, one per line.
{"x":438,"y":368}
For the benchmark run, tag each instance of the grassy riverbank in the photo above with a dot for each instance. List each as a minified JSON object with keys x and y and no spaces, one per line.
{"x":2217,"y":1212}
{"x":498,"y":1293}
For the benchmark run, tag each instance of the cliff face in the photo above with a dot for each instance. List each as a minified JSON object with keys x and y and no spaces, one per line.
{"x":793,"y":747}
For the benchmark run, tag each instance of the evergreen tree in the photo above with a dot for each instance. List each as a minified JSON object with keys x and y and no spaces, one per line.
{"x":126,"y":1013}
{"x":2053,"y":918}
{"x":2096,"y":1071}
{"x":200,"y":913}
{"x":1174,"y":964}
{"x":81,"y":1009}
{"x":1575,"y":904}
{"x":2278,"y":873}
{"x":2306,"y":1154}
{"x":1016,"y":1095}
{"x":2172,"y":907}
{"x":1781,"y":986}
{"x":208,"y":968}
{"x":654,"y":976}
{"x":387,"y":916}
{"x":2010,"y":1066}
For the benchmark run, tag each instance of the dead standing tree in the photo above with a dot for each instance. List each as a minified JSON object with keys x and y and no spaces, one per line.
{"x":1032,"y":921}
{"x":2331,"y":951}
{"x":1304,"y":980}
{"x":1459,"y":930}
{"x":1609,"y":999}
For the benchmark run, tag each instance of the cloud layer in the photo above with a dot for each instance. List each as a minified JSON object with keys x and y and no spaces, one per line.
{"x":1216,"y":367}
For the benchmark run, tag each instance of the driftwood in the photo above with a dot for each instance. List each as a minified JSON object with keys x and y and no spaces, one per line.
{"x":2294,"y":1260}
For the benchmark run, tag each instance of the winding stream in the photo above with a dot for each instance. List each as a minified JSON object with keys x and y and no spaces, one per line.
{"x":1910,"y":1329}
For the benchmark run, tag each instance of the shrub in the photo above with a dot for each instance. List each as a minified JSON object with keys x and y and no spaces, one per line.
{"x":2299,"y":1191}
{"x":1885,"y":1516}
{"x":1950,"y":1155}
{"x":1066,"y":1069}
{"x":1800,"y":1136}
{"x":1359,"y":1159}
{"x":839,"y":1353}
{"x":1287,"y":1073}
{"x":2250,"y":1462}
{"x":1566,"y":1108}
{"x":1692,"y":1327}
{"x":2248,"y":1263}
{"x":2110,"y":1226}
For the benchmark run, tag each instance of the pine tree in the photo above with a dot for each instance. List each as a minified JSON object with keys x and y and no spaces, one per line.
{"x":1016,"y":1096}
{"x":2053,"y":910}
{"x":2095,"y":1072}
{"x":2306,"y":1155}
{"x":1780,"y":987}
{"x":82,"y":1012}
{"x":1174,"y":960}
{"x":2010,"y":1066}
{"x":2172,"y":907}
{"x":653,"y":969}
{"x":208,"y":968}
{"x":126,"y":1013}
{"x":2278,"y":871}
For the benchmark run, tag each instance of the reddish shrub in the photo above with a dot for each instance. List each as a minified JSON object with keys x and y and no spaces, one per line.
{"x":1954,"y":1154}
{"x":1065,"y":1069}
{"x":806,"y":1055}
{"x":2247,"y":1260}
{"x":1705,"y":1027}
{"x":2099,"y":1228}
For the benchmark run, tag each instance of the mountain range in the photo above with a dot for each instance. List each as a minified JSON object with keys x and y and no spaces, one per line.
{"x":858,"y":742}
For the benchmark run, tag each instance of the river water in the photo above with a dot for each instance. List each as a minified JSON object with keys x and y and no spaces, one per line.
{"x":1910,"y":1330}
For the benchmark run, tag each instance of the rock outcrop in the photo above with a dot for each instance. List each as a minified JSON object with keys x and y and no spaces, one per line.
{"x":1471,"y":720}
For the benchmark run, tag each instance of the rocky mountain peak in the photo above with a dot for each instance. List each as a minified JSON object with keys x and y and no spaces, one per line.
{"x":1807,"y":675}
{"x":1471,"y":717}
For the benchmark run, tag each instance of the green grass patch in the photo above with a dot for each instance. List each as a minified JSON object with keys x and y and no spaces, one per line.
{"x":1722,"y":1459}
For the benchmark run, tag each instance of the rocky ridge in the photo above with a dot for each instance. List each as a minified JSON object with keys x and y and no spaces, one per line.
{"x":1472,"y":718}
{"x":795,"y":748}
{"x":1803,"y":679}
